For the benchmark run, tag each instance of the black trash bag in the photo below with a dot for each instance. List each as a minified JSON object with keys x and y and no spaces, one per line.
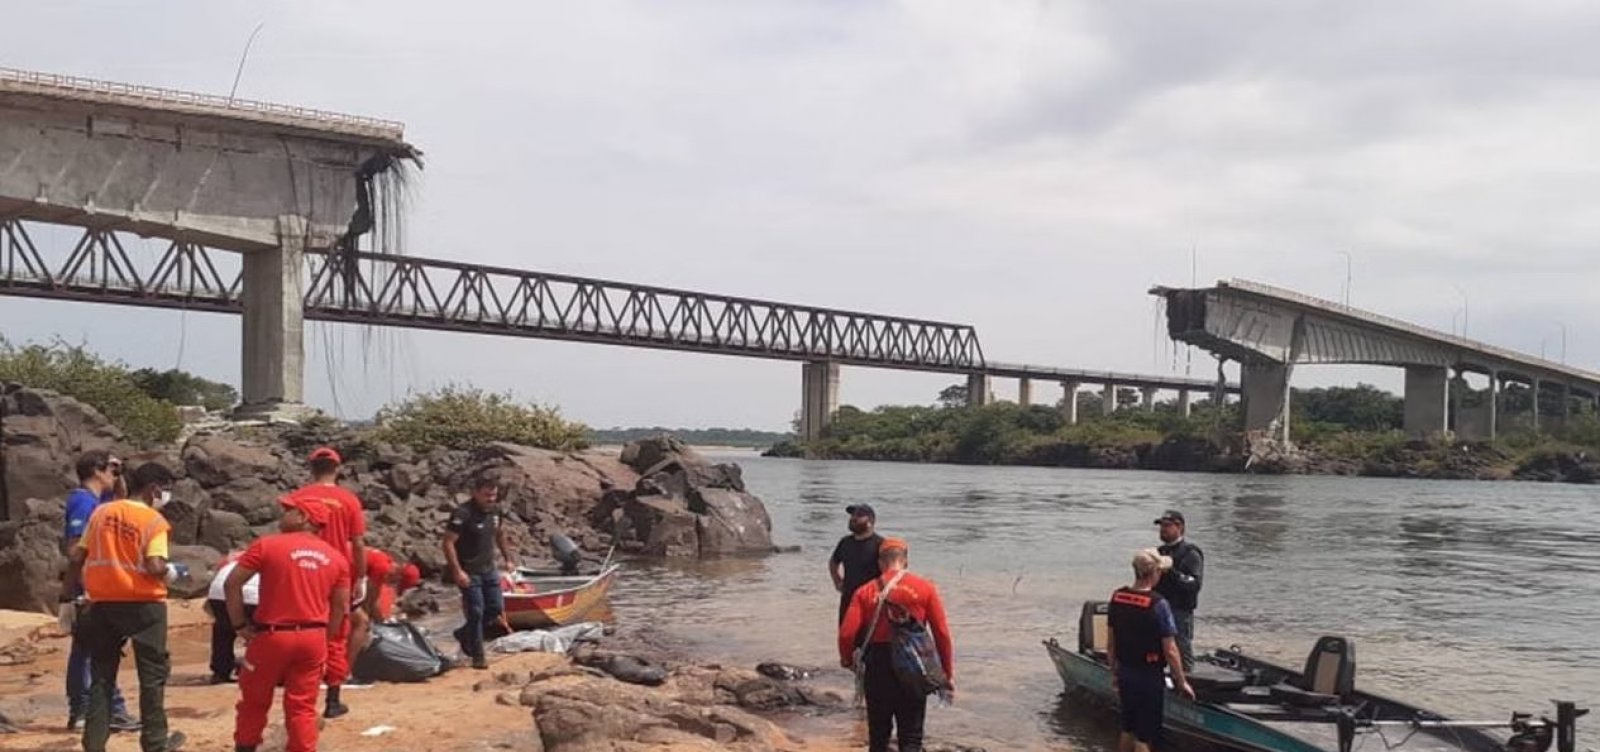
{"x":398,"y":653}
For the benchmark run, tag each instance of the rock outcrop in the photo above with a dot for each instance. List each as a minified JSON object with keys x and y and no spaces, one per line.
{"x":659,"y":498}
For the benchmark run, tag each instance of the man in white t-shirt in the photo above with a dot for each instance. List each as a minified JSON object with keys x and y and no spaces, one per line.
{"x":223,"y":662}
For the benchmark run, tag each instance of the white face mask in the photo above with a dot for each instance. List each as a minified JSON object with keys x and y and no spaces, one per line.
{"x":162,"y":500}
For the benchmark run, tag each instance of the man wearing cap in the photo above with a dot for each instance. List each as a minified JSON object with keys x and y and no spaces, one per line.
{"x":305,"y":591}
{"x":121,"y":561}
{"x":891,"y":706}
{"x":855,"y":560}
{"x":1180,"y":585}
{"x":345,"y":530}
{"x":99,"y":475}
{"x":1140,"y":641}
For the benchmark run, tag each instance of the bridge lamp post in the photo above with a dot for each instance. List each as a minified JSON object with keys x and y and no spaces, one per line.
{"x":1466,"y":310}
{"x":1349,"y":266}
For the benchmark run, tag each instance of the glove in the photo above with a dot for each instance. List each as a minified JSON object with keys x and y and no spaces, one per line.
{"x":177,"y":572}
{"x":67,"y":617}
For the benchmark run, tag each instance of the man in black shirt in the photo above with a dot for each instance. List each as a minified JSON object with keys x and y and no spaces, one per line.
{"x":855,"y":560}
{"x":1180,"y":585}
{"x":471,"y":538}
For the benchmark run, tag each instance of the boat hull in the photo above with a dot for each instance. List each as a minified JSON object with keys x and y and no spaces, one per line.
{"x":559,"y":607}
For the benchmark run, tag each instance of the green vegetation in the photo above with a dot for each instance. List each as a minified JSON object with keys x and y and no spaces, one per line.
{"x":469,"y":418}
{"x":183,"y":388}
{"x":1353,"y":430}
{"x":728,"y":437}
{"x":109,"y":387}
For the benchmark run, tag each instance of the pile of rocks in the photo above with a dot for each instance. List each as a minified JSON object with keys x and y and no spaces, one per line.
{"x":660,"y":498}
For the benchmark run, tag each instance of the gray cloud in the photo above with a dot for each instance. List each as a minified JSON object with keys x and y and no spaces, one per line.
{"x":1027,"y":167}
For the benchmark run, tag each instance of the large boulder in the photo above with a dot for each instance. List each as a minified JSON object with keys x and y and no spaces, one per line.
{"x":662,"y":526}
{"x":224,"y":531}
{"x":202,"y":563}
{"x":218,"y":459}
{"x":44,"y":432}
{"x":254,"y":499}
{"x":730,"y":522}
{"x":31,"y":562}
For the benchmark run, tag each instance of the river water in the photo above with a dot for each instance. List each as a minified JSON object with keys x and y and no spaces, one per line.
{"x":1471,"y":598}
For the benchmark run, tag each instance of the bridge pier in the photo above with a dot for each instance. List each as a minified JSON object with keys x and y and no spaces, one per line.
{"x":819,"y":397}
{"x":273,"y":373}
{"x":1147,"y":399}
{"x":1266,"y":398}
{"x":1475,"y":422}
{"x":1427,"y":400}
{"x":1184,"y":407}
{"x":1069,"y":402}
{"x":1108,"y":399}
{"x":1025,"y":392}
{"x":979,"y":391}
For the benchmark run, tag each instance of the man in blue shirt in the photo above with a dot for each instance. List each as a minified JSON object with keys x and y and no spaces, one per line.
{"x":99,"y":476}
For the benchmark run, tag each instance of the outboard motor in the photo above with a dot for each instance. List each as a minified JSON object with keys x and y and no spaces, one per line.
{"x":566,"y":553}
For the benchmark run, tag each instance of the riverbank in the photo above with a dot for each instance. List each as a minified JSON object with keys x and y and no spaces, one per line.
{"x":1007,"y":434}
{"x":527,"y":702}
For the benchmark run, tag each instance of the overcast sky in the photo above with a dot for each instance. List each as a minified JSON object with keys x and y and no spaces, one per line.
{"x":1030,"y":168}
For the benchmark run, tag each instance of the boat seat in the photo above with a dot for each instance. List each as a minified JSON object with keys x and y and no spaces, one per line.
{"x":1094,"y":628}
{"x":1209,"y":678}
{"x":1329,"y":677}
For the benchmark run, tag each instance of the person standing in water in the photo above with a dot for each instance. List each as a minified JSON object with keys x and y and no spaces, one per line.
{"x":855,"y":560}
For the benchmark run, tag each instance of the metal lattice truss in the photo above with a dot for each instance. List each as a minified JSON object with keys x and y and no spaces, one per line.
{"x":368,"y":288}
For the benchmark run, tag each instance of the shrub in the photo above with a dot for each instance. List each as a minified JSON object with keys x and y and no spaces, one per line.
{"x":106,"y":386}
{"x":184,"y":388}
{"x":470,"y":418}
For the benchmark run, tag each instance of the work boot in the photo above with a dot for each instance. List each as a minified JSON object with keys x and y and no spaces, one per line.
{"x":175,"y":741}
{"x":74,"y":720}
{"x":124,"y":722}
{"x":480,"y":662}
{"x":334,"y":708}
{"x":244,"y":748}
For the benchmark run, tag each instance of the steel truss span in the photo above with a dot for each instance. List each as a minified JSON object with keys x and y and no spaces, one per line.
{"x":368,"y":288}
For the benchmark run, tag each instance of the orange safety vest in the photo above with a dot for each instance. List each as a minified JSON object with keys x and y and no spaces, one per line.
{"x":117,"y":537}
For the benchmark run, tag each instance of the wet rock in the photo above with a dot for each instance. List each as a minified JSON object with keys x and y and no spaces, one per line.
{"x":626,"y":668}
{"x":750,"y":690}
{"x":730,"y":522}
{"x":785,"y":672}
{"x":663,"y":525}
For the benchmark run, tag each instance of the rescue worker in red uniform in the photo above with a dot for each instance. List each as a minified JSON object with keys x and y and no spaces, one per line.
{"x":387,"y":580}
{"x":305,"y":591}
{"x":346,"y":531}
{"x":891,"y":707}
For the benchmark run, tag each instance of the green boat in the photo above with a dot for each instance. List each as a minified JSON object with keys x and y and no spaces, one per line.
{"x":1251,"y":705}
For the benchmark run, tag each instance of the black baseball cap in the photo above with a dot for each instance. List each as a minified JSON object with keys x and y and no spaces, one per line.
{"x":1171,"y":515}
{"x":861,"y":510}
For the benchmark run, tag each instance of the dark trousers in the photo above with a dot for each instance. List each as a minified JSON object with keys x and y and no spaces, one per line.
{"x":106,"y":628}
{"x":223,"y":662}
{"x":890,"y":706}
{"x":481,"y":603}
{"x":1185,"y":622}
{"x":79,"y":678}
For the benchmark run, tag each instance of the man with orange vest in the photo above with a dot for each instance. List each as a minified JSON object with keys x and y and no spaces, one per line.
{"x":891,"y":706}
{"x":121,"y":561}
{"x":345,"y":530}
{"x":305,"y":590}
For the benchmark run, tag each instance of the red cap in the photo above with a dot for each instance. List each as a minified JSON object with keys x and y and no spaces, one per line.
{"x":410,"y":577}
{"x":326,"y":453}
{"x":890,"y":544}
{"x":315,"y":510}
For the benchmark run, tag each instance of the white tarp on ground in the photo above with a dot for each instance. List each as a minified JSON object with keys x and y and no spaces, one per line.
{"x":549,"y":641}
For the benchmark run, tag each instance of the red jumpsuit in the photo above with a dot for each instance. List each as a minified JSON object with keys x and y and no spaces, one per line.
{"x":346,"y":520}
{"x":299,"y":575}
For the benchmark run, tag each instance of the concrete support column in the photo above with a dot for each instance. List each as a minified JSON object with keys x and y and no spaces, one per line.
{"x":1184,"y":408}
{"x":1427,"y":400}
{"x":1536,"y":398}
{"x":978,"y":391}
{"x":1494,"y":405}
{"x":1025,"y":392}
{"x":274,"y":347}
{"x":1148,"y":399}
{"x":1069,"y":402}
{"x":819,"y":397}
{"x":1108,"y":399}
{"x":1266,"y":398}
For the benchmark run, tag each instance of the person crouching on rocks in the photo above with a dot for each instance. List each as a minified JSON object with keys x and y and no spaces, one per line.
{"x":305,"y":591}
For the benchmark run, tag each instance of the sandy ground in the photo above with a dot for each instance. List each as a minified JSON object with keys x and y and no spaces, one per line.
{"x":443,"y":715}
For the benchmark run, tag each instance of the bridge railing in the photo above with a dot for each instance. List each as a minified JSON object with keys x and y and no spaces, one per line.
{"x":368,"y":288}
